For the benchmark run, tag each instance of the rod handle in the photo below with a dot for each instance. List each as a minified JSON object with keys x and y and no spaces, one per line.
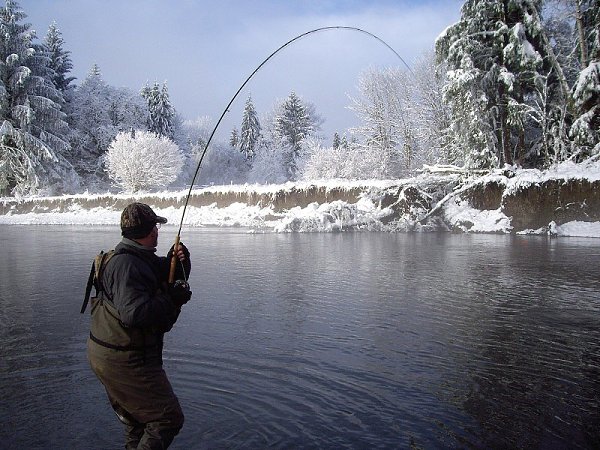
{"x":174,"y":260}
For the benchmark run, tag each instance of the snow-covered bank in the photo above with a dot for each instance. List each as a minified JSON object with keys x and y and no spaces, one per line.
{"x":564,"y":201}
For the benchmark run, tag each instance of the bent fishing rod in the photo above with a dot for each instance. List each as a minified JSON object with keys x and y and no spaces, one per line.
{"x":226,"y":110}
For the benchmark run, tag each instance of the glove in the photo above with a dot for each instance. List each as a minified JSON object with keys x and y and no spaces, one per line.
{"x":180,"y":293}
{"x":186,"y":252}
{"x":184,"y":267}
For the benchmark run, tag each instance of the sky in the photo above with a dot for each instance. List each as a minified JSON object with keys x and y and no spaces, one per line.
{"x":205,"y":50}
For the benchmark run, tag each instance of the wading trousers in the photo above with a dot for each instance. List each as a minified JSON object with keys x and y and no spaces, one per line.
{"x":141,"y":395}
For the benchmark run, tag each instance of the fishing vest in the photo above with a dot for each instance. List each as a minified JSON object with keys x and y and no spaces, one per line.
{"x":106,"y":328}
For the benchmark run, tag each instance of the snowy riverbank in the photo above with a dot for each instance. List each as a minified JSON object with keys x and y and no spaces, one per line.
{"x":500,"y":202}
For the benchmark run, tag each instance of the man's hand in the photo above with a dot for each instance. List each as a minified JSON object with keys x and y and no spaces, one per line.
{"x":182,"y":252}
{"x":180,"y":293}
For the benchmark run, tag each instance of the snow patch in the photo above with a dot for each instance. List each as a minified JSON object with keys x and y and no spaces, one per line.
{"x":462,"y":216}
{"x":575,"y":228}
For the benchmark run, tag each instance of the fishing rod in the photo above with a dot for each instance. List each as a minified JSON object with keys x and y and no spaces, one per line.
{"x":226,"y":110}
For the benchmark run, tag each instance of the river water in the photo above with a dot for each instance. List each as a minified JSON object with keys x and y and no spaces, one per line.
{"x":347,"y":340}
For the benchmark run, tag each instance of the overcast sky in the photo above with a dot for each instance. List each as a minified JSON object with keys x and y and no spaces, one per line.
{"x":205,"y":50}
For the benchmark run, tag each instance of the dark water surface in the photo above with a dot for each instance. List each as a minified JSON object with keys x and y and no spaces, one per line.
{"x":352,"y":340}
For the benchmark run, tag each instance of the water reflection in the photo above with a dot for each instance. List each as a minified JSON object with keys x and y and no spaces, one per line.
{"x":350,"y":340}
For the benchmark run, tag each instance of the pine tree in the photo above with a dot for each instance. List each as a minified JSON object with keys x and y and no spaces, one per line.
{"x":31,"y":135}
{"x":344,"y":142}
{"x":495,"y":54}
{"x":93,"y":127}
{"x":60,"y":59}
{"x":250,"y":131}
{"x":161,"y":113}
{"x":585,"y":130}
{"x":100,"y":112}
{"x":336,"y":140}
{"x":294,"y":122}
{"x":234,"y":138}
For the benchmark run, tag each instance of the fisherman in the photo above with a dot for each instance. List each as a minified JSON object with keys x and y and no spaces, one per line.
{"x":133,"y":309}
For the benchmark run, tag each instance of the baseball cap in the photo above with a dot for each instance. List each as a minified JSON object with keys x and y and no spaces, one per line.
{"x":138,"y":220}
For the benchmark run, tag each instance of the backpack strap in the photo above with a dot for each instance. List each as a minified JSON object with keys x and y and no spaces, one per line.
{"x":95,"y":278}
{"x":88,"y":288}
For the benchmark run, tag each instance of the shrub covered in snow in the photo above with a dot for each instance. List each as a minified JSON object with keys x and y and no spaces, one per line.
{"x":142,"y":160}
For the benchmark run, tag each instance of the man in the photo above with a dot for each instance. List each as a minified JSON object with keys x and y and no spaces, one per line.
{"x":133,"y":309}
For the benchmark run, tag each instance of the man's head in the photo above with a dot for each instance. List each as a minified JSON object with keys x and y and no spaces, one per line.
{"x":138,"y":221}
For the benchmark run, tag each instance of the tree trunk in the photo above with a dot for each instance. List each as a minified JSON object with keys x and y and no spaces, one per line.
{"x":583,"y":53}
{"x":552,"y":56}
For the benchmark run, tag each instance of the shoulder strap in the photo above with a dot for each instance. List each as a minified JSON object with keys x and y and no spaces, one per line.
{"x":95,"y":277}
{"x":100,"y":263}
{"x":88,"y":288}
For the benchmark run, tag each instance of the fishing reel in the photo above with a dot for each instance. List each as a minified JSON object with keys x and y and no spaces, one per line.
{"x":182,"y":285}
{"x":180,"y":292}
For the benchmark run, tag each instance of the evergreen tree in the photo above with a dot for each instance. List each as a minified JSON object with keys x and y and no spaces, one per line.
{"x":344,"y":142}
{"x":251,"y":130}
{"x":100,"y":112}
{"x":294,"y":122}
{"x":495,"y":55}
{"x":32,"y":130}
{"x":93,"y":130}
{"x":234,"y":138}
{"x":336,"y":140}
{"x":587,"y":17}
{"x":161,"y":114}
{"x":60,"y":59}
{"x":585,"y":130}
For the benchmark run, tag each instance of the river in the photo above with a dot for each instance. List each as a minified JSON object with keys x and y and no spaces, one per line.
{"x":322,"y":340}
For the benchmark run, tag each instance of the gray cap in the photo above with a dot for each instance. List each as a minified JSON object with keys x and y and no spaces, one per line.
{"x":138,"y":220}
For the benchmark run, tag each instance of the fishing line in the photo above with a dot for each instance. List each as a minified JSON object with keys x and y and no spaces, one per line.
{"x":226,"y":110}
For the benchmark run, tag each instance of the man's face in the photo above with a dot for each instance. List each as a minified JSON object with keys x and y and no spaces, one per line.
{"x":154,"y":236}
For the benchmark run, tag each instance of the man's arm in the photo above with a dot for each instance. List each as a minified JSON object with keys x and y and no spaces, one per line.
{"x":137,"y":300}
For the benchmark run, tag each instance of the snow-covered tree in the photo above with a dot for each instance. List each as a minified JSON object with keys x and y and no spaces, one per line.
{"x":222,"y":164}
{"x":33,"y":125}
{"x":143,"y":160}
{"x":344,"y":142}
{"x":60,"y":59}
{"x":472,"y":140}
{"x":385,"y":108}
{"x":294,"y":120}
{"x":191,"y":137}
{"x":587,"y":17}
{"x":93,"y":130}
{"x":586,"y":128}
{"x":430,"y":113}
{"x":351,"y":162}
{"x":495,"y":54}
{"x":161,"y":112}
{"x":99,"y":113}
{"x":234,"y":138}
{"x":269,"y":167}
{"x":250,"y":131}
{"x":336,"y":140}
